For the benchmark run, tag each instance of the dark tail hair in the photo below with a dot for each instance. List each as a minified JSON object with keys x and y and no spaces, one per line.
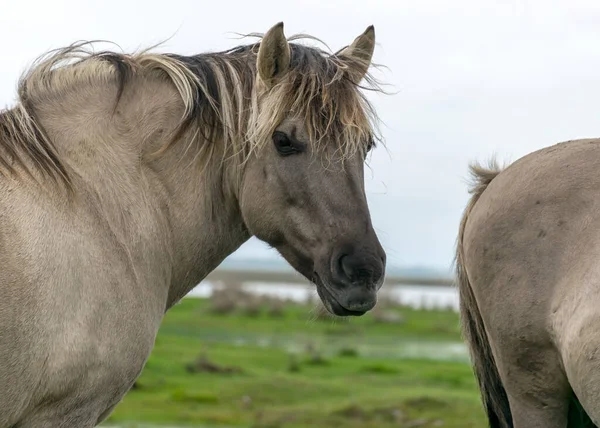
{"x":493,"y":395}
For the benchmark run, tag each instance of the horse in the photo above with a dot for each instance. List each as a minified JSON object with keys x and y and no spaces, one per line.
{"x":528,"y":280}
{"x":127,"y":178}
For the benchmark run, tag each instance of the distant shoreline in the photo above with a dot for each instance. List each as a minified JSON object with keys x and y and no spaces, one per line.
{"x":275,"y":264}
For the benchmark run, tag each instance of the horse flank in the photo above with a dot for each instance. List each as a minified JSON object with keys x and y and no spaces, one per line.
{"x":220,"y":98}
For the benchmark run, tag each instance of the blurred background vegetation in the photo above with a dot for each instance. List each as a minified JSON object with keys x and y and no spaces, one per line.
{"x":237,"y":359}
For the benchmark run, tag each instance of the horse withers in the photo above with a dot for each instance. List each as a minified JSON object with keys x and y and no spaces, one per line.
{"x":126,"y":179}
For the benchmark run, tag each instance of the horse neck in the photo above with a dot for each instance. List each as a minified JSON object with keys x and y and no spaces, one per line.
{"x":110,"y":152}
{"x":205,"y":213}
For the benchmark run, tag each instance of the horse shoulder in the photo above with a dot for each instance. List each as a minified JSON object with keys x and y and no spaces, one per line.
{"x":77,"y":319}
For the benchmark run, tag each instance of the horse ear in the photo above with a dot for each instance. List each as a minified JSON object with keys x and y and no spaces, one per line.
{"x":273,"y":55}
{"x":360,"y":53}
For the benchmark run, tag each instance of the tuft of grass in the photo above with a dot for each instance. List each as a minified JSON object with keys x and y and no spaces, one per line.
{"x":348,"y":352}
{"x":185,"y":396}
{"x":380,"y":369}
{"x":294,"y":364}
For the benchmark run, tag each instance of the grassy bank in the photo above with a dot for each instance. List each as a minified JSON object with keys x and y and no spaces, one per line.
{"x":283,"y":365}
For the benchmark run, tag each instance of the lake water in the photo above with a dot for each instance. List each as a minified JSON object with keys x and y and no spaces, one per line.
{"x":418,"y":297}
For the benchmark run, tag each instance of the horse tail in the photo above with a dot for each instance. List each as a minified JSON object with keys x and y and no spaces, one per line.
{"x":493,"y":394}
{"x":578,"y":418}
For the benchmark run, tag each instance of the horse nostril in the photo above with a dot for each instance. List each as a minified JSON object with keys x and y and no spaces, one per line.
{"x":356,"y":268}
{"x":346,"y":268}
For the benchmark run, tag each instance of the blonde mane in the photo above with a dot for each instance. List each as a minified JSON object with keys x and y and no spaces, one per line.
{"x":222,"y":103}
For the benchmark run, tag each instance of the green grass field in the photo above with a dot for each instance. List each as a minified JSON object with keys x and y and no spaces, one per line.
{"x":291,"y":368}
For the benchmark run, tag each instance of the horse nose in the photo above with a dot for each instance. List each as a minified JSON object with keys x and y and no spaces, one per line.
{"x":360,"y":269}
{"x":357,"y":276}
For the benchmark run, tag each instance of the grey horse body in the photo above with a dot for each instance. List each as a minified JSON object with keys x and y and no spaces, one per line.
{"x":127,"y":179}
{"x":528,"y":277}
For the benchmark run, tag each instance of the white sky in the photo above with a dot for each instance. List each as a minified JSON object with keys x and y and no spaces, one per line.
{"x":474,"y":78}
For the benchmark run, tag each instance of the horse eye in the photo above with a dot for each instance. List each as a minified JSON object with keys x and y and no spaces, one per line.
{"x":283,"y":144}
{"x":370,"y":145}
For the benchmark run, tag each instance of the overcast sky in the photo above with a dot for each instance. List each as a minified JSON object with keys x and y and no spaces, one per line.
{"x":473,"y":77}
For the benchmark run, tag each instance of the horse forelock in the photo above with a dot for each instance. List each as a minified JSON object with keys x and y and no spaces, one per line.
{"x":219,"y":92}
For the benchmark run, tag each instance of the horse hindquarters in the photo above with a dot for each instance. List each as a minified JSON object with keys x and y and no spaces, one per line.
{"x":513,"y":396}
{"x":581,"y":357}
{"x":519,"y":375}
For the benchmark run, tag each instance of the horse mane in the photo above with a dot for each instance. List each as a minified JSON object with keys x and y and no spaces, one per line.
{"x":219,"y":94}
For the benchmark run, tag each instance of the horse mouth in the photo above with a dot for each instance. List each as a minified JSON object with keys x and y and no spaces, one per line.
{"x":306,"y":267}
{"x":331,"y":303}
